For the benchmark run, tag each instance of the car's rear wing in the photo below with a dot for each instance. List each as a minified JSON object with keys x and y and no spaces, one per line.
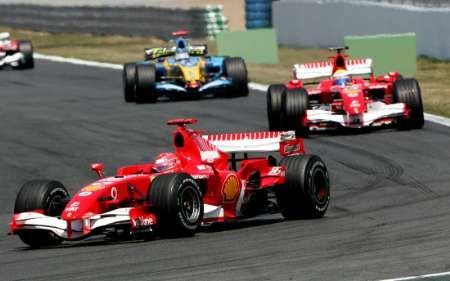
{"x":285,"y":142}
{"x":4,"y":35}
{"x":156,"y":53}
{"x":325,"y":69}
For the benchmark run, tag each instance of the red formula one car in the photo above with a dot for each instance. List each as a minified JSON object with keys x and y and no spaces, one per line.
{"x":199,"y":184}
{"x":15,"y":53}
{"x":344,"y":99}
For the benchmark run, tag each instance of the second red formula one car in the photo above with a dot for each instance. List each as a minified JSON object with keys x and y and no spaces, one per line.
{"x":344,"y":99}
{"x":199,"y":183}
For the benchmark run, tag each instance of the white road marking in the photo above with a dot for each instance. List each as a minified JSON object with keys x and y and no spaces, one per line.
{"x":254,"y":86}
{"x":417,"y":277}
{"x":77,"y":61}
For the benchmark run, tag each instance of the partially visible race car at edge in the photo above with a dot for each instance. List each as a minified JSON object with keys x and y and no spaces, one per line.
{"x":183,"y":71}
{"x":199,"y":184}
{"x":17,"y":54}
{"x":348,"y":96}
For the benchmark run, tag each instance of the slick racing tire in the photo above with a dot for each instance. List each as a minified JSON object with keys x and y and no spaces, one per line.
{"x":26,"y":48}
{"x":236,"y":69}
{"x":178,"y":203}
{"x":306,"y":192}
{"x":274,"y":98}
{"x":407,"y":91}
{"x":145,"y":83}
{"x":48,"y":196}
{"x":294,"y":106}
{"x":129,"y":85}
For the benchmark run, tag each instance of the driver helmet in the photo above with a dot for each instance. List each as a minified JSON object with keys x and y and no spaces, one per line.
{"x":341,"y":77}
{"x":165,"y":162}
{"x":181,"y":52}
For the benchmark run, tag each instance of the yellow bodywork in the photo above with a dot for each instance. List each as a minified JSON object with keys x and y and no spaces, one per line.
{"x":189,"y":73}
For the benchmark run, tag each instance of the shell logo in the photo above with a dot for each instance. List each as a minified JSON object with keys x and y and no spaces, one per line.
{"x":230,"y":188}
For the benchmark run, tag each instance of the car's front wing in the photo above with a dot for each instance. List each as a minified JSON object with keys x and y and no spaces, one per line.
{"x":377,"y":114}
{"x":215,"y":84}
{"x":70,"y":229}
{"x":13,"y":60}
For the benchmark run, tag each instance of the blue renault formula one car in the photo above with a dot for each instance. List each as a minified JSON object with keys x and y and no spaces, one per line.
{"x":183,"y":71}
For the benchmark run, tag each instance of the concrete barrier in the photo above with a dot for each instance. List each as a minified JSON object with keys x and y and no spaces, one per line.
{"x":325,"y":23}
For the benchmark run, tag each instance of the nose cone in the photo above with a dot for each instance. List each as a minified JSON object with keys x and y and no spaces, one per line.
{"x":84,"y":203}
{"x":354,"y":102}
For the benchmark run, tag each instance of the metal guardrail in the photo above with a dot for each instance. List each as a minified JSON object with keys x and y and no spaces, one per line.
{"x":138,"y":21}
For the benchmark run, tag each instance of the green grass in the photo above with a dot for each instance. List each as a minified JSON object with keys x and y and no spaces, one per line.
{"x":432,"y":74}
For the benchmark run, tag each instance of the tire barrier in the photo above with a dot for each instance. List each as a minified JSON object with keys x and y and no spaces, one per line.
{"x":216,"y":22}
{"x":258,"y":13}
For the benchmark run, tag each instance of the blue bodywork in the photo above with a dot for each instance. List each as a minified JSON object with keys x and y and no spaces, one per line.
{"x":165,"y":86}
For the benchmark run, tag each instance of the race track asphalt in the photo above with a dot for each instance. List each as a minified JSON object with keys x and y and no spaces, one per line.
{"x":389,"y":214}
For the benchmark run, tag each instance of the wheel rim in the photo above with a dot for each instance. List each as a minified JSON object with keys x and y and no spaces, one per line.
{"x":55,"y":205}
{"x":190,"y":204}
{"x":320,"y":184}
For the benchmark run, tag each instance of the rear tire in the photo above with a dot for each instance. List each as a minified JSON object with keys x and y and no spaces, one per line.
{"x":306,"y":192}
{"x":145,"y":83}
{"x":236,"y":69}
{"x":178,"y":202}
{"x":407,"y":91}
{"x":49,"y":196}
{"x":26,"y":48}
{"x":274,"y":103}
{"x":294,"y":107}
{"x":128,"y":79}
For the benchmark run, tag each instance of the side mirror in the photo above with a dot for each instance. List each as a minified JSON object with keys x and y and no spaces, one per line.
{"x":98,"y":168}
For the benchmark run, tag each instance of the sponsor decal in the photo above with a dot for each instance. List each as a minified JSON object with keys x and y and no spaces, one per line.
{"x":275,"y":171}
{"x":290,"y":148}
{"x":114,"y":193}
{"x":209,"y":156}
{"x":199,"y":177}
{"x":201,"y":167}
{"x":230,"y":188}
{"x":73,"y":207}
{"x":94,"y":187}
{"x":142,"y":222}
{"x":84,"y":193}
{"x":355,"y":103}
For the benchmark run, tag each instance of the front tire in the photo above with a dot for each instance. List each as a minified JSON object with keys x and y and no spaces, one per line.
{"x":407,"y":91}
{"x":294,"y":108}
{"x":274,"y":106}
{"x":145,"y":83}
{"x":236,"y":69}
{"x":306,"y":192}
{"x":128,"y":80}
{"x":178,"y":202}
{"x":47,"y":196}
{"x":26,"y":48}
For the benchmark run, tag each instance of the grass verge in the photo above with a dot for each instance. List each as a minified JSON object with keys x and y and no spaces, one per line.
{"x":432,"y":74}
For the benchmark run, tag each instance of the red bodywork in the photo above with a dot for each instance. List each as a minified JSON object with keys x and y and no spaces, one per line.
{"x":352,"y":100}
{"x":222,"y":186}
{"x":9,"y":47}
